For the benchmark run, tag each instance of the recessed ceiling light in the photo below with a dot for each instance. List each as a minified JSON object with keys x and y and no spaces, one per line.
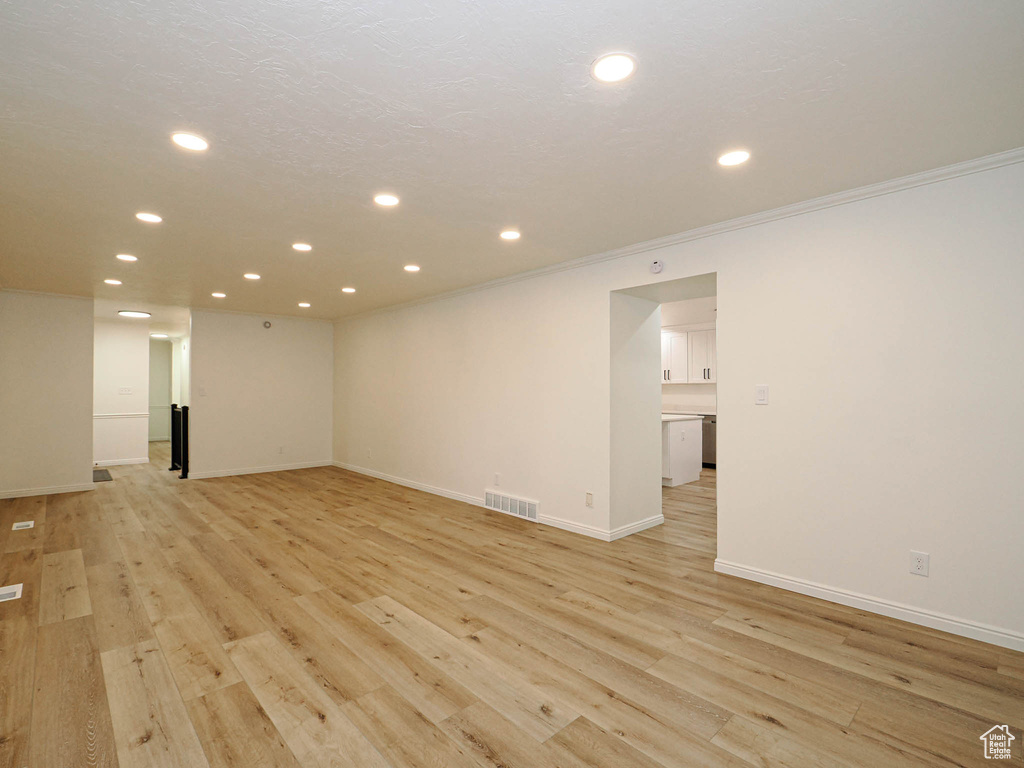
{"x":304,"y":304}
{"x":411,"y":268}
{"x":158,"y":336}
{"x":112,"y":281}
{"x":149,"y":218}
{"x":251,"y":276}
{"x":386,"y":200}
{"x":348,"y":290}
{"x":219,"y":295}
{"x":127,"y":257}
{"x":510,"y":234}
{"x":302,"y":246}
{"x":133,"y":313}
{"x":738,"y":157}
{"x":613,"y":67}
{"x":190,"y":141}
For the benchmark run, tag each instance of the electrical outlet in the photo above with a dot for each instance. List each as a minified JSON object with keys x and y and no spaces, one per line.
{"x":590,"y":499}
{"x":919,"y":563}
{"x":761,"y":394}
{"x":124,"y":391}
{"x":497,"y":479}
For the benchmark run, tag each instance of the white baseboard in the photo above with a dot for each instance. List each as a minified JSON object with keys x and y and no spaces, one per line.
{"x":642,"y":525}
{"x":474,"y":500}
{"x":257,"y":470}
{"x":47,"y":491}
{"x":957,"y":626}
{"x":119,"y":462}
{"x":566,"y":525}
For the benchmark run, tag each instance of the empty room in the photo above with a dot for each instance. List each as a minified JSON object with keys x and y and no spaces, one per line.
{"x":361,"y":367}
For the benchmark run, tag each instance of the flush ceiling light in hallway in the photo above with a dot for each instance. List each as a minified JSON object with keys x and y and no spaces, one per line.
{"x":158,"y":336}
{"x":112,"y":281}
{"x":251,"y":276}
{"x":386,"y":200}
{"x":302,"y":246}
{"x":304,"y":304}
{"x":348,"y":290}
{"x":133,"y":313}
{"x":149,"y":218}
{"x":219,"y":295}
{"x":190,"y":141}
{"x":127,"y":257}
{"x":736,"y":157}
{"x":411,"y":268}
{"x":613,"y":67}
{"x":510,"y":234}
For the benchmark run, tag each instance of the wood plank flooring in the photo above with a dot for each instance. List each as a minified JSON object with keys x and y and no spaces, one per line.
{"x":322,"y":618}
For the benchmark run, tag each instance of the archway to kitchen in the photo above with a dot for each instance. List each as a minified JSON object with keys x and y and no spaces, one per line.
{"x":663,"y":412}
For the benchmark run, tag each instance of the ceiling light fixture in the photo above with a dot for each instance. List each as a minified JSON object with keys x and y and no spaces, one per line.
{"x":149,"y":218}
{"x":251,"y":276}
{"x":158,"y":336}
{"x":133,"y":313}
{"x":386,"y":200}
{"x":190,"y":141}
{"x":510,"y":234}
{"x":304,"y":304}
{"x":737,"y":157}
{"x":348,"y":290}
{"x":127,"y":257}
{"x":302,"y":246}
{"x":412,"y":268}
{"x":112,"y":281}
{"x":219,"y":295}
{"x":613,"y":67}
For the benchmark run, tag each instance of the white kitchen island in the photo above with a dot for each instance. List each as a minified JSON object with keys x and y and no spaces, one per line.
{"x":681,"y":448}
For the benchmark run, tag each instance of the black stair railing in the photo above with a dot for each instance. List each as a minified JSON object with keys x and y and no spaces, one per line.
{"x":179,"y":439}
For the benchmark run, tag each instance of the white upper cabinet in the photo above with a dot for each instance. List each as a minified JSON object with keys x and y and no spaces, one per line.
{"x":674,"y":357}
{"x":703,"y":357}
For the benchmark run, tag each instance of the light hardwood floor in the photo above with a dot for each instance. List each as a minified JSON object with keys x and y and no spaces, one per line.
{"x":322,"y":618}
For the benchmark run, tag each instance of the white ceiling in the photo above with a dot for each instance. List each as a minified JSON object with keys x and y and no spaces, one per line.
{"x":480,"y":115}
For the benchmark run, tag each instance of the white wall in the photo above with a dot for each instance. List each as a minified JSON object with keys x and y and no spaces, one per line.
{"x":159,"y":389}
{"x":180,"y":370}
{"x":120,"y":421}
{"x":261,"y":398}
{"x":869,"y":320}
{"x":45,"y":394}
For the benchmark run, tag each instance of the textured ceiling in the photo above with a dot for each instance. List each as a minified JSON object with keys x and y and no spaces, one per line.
{"x":479,"y":114}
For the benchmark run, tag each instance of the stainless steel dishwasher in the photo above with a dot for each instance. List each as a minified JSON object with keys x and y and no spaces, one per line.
{"x":710,"y":446}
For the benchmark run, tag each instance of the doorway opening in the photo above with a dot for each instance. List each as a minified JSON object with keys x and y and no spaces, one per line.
{"x":141,"y":366}
{"x":664,"y":411}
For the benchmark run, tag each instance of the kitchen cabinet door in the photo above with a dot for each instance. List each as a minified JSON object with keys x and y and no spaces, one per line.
{"x":678,"y":363}
{"x":666,"y":356}
{"x":703,"y":356}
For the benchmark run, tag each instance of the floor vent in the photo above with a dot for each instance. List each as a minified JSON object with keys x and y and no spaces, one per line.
{"x":511,"y":505}
{"x":12,"y":592}
{"x":24,"y":525}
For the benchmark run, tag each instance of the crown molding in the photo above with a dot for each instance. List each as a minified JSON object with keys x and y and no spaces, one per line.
{"x":966,"y":168}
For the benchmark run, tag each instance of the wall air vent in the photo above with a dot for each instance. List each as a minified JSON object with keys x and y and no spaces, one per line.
{"x":12,"y":592}
{"x":24,"y":525}
{"x":511,"y":505}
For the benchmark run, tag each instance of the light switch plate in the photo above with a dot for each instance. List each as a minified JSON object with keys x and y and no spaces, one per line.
{"x":761,"y":394}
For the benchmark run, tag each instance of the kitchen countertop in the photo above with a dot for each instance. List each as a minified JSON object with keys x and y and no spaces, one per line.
{"x":666,"y":417}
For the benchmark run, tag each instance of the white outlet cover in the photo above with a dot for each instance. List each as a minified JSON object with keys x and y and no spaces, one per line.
{"x":24,"y":525}
{"x":761,"y":394}
{"x":924,"y":559}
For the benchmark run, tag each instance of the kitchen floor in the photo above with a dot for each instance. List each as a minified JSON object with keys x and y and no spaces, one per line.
{"x":319,"y":617}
